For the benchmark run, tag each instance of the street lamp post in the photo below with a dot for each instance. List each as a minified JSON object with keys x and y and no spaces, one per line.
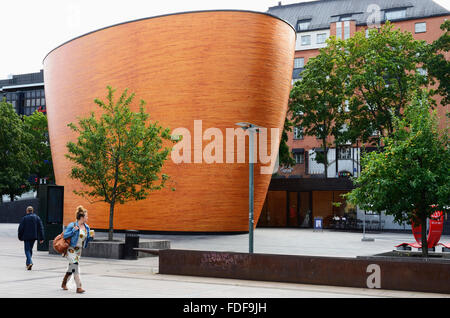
{"x":252,"y":129}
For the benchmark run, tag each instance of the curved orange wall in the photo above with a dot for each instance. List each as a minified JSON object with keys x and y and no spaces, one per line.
{"x":221,"y":67}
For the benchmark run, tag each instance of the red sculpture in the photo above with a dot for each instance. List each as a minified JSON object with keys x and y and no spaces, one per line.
{"x":434,"y":232}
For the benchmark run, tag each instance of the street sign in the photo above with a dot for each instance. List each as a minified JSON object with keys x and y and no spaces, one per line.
{"x":318,"y":224}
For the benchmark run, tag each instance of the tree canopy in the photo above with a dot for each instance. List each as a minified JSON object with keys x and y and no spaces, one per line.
{"x":412,"y":174}
{"x":15,"y":155}
{"x":317,"y":101}
{"x":376,"y":75}
{"x":37,"y":127}
{"x":119,"y":156}
{"x":383,"y":73}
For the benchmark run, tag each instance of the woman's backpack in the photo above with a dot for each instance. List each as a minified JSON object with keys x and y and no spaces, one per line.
{"x":60,"y":244}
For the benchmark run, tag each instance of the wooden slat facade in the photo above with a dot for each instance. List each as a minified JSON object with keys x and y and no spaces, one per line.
{"x":221,"y":67}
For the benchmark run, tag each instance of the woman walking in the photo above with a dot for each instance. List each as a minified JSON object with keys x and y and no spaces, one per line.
{"x":80,"y":236}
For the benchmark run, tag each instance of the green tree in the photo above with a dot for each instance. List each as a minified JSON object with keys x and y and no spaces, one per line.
{"x":120,"y":155}
{"x":412,"y":173}
{"x":437,"y":65}
{"x":37,"y":127}
{"x":317,"y":101}
{"x":382,"y":76}
{"x":15,"y":155}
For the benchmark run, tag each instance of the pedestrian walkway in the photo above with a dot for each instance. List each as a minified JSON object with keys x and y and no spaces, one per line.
{"x":140,"y":278}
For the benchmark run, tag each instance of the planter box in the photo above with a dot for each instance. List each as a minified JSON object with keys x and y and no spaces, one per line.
{"x":114,"y":249}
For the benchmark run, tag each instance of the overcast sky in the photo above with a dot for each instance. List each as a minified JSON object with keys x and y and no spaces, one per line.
{"x":31,"y":28}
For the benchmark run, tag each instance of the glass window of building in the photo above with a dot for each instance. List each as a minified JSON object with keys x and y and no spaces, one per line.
{"x":345,"y":153}
{"x":345,"y":107}
{"x":303,"y":25}
{"x":346,"y":30}
{"x":421,"y":27}
{"x":422,"y":71}
{"x":299,"y":62}
{"x":395,"y":14}
{"x":306,"y":40}
{"x":339,"y":30}
{"x":321,"y":38}
{"x":299,"y":157}
{"x":345,"y":17}
{"x":298,"y":132}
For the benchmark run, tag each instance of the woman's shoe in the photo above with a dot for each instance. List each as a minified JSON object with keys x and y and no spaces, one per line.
{"x":65,"y":280}
{"x":80,"y":290}
{"x":29,"y":266}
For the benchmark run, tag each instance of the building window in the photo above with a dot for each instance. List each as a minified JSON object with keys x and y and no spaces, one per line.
{"x":422,"y":71}
{"x":339,"y":30}
{"x":421,"y":27}
{"x":320,"y":130}
{"x":346,"y":30}
{"x":321,"y":38}
{"x":345,"y":17}
{"x":346,"y":108}
{"x":306,"y":40}
{"x":303,"y":25}
{"x":345,"y":153}
{"x":298,"y":132}
{"x":395,"y":14}
{"x":299,"y":62}
{"x":299,"y":157}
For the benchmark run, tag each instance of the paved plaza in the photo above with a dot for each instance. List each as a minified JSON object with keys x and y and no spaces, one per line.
{"x":140,"y":278}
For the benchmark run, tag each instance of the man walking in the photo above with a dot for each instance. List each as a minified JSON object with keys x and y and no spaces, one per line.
{"x":30,"y":230}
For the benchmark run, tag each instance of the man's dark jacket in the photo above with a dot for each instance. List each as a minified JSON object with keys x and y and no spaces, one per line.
{"x":31,"y":228}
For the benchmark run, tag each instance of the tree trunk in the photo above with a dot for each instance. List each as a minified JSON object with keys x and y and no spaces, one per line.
{"x":424,"y":237}
{"x":111,"y":220}
{"x":11,"y":196}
